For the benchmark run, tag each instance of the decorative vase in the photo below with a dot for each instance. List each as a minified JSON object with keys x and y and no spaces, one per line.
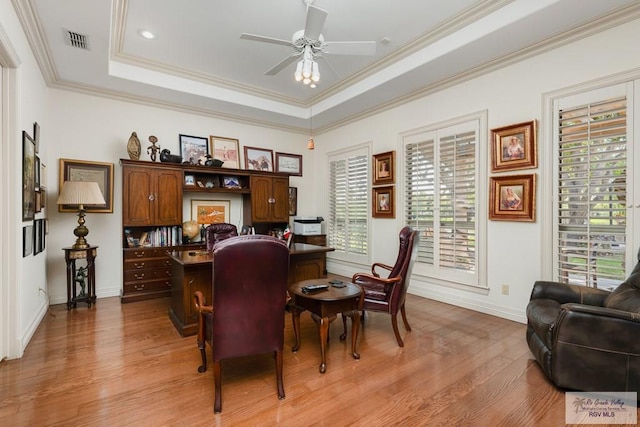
{"x":133,"y":147}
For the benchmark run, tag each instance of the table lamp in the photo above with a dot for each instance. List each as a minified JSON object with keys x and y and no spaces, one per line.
{"x":80,"y":193}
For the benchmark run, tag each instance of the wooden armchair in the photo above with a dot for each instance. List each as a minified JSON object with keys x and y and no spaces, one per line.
{"x":250,"y":277}
{"x":388,"y":294}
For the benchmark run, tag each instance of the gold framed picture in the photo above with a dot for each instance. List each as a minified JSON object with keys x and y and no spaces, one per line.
{"x":384,"y":202}
{"x":81,"y":170}
{"x":384,"y":171}
{"x":514,"y":147}
{"x":513,"y":198}
{"x":226,"y":150}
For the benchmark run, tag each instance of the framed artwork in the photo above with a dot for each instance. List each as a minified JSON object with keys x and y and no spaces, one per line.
{"x":41,"y":224}
{"x":289,"y":163}
{"x":384,"y":171}
{"x":512,"y":198}
{"x":28,"y":178}
{"x":37,"y":237}
{"x":225,"y":149}
{"x":36,"y":136}
{"x":192,"y":148}
{"x":259,"y":159}
{"x":210,"y":211}
{"x":230,"y":182}
{"x":383,"y":202}
{"x":27,"y":240}
{"x":37,"y":173}
{"x":38,"y":207}
{"x":80,"y":170}
{"x":514,"y":147}
{"x":189,"y":180}
{"x":293,"y":201}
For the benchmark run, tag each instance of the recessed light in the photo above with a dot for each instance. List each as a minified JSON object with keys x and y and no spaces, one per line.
{"x":147,"y":34}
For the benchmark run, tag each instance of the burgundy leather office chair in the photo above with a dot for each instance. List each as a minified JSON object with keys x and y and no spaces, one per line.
{"x":388,"y":294}
{"x":250,"y":277}
{"x":218,"y":232}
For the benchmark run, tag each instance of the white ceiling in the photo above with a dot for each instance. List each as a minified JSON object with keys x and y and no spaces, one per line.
{"x":198,"y":62}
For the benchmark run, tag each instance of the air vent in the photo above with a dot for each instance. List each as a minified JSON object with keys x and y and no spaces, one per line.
{"x":74,"y":39}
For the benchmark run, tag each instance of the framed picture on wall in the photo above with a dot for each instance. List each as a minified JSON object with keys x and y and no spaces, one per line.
{"x":28,"y":177}
{"x":210,"y":211}
{"x":512,"y":198}
{"x":384,"y":202}
{"x":384,"y":171}
{"x":514,"y":147}
{"x":293,"y":201}
{"x":82,"y":170}
{"x":289,"y":163}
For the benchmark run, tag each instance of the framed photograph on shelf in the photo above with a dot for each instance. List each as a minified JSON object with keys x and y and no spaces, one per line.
{"x":293,"y":201}
{"x":226,"y":150}
{"x":189,"y":180}
{"x":259,"y":159}
{"x":81,"y":170}
{"x":384,"y":202}
{"x":210,"y":211}
{"x":230,"y":182}
{"x":514,"y":147}
{"x":512,"y":198}
{"x":289,"y":163}
{"x":384,"y":171}
{"x":193,"y":148}
{"x":28,"y":177}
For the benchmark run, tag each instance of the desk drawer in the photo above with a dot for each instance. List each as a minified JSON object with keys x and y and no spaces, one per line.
{"x":148,"y":286}
{"x":147,"y":274}
{"x":138,"y":253}
{"x":143,"y":264}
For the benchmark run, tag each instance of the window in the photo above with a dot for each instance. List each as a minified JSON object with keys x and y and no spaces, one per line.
{"x":442,"y":196}
{"x":349,"y":204}
{"x":592,"y":224}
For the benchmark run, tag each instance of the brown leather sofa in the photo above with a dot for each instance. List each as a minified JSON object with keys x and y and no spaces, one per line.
{"x":587,"y":339}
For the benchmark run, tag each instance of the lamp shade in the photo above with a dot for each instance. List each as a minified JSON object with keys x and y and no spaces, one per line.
{"x":80,"y":193}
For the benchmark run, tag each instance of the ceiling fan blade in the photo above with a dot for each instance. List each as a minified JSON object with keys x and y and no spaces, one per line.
{"x":265,"y":39}
{"x":282,"y":64}
{"x":328,"y":64}
{"x":351,"y":48}
{"x":315,"y":22}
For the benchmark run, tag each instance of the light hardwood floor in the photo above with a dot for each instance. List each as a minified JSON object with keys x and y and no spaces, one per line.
{"x":116,"y":365}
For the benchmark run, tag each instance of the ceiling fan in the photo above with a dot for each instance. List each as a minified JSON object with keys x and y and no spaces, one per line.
{"x":310,"y":44}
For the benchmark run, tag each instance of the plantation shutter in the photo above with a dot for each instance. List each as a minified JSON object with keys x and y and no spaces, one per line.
{"x":592,"y":192}
{"x":440,"y":198}
{"x":349,"y":204}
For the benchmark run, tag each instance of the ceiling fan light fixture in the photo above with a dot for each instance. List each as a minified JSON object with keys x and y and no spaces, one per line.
{"x":306,"y":68}
{"x":315,"y":73}
{"x":306,"y":81}
{"x":298,"y":74}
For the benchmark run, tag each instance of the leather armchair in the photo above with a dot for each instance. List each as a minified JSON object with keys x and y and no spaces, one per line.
{"x":585,"y":338}
{"x":388,"y":294}
{"x":250,"y":277}
{"x":218,"y":232}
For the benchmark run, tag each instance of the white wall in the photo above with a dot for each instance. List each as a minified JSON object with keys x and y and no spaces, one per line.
{"x":25,"y":99}
{"x":510,"y":95}
{"x":97,"y":129}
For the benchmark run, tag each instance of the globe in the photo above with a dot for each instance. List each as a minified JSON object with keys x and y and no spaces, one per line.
{"x":190,"y":229}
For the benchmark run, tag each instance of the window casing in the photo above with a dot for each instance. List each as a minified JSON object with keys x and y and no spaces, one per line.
{"x":442,"y":198}
{"x":348,"y":222}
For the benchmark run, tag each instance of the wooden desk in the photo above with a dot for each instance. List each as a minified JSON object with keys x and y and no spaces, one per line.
{"x":190,"y":273}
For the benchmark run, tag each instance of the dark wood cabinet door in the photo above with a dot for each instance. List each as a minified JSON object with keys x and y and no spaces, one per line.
{"x":280,"y":207}
{"x":168,"y":197}
{"x":137,"y":197}
{"x":260,"y":197}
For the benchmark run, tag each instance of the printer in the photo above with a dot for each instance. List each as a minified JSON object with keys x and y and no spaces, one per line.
{"x":307,"y":225}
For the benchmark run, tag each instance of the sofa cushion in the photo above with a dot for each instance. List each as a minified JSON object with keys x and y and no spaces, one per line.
{"x":542,"y":315}
{"x":626,"y":297}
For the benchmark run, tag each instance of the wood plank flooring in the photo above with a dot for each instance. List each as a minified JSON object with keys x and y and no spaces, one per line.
{"x":125,"y":364}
